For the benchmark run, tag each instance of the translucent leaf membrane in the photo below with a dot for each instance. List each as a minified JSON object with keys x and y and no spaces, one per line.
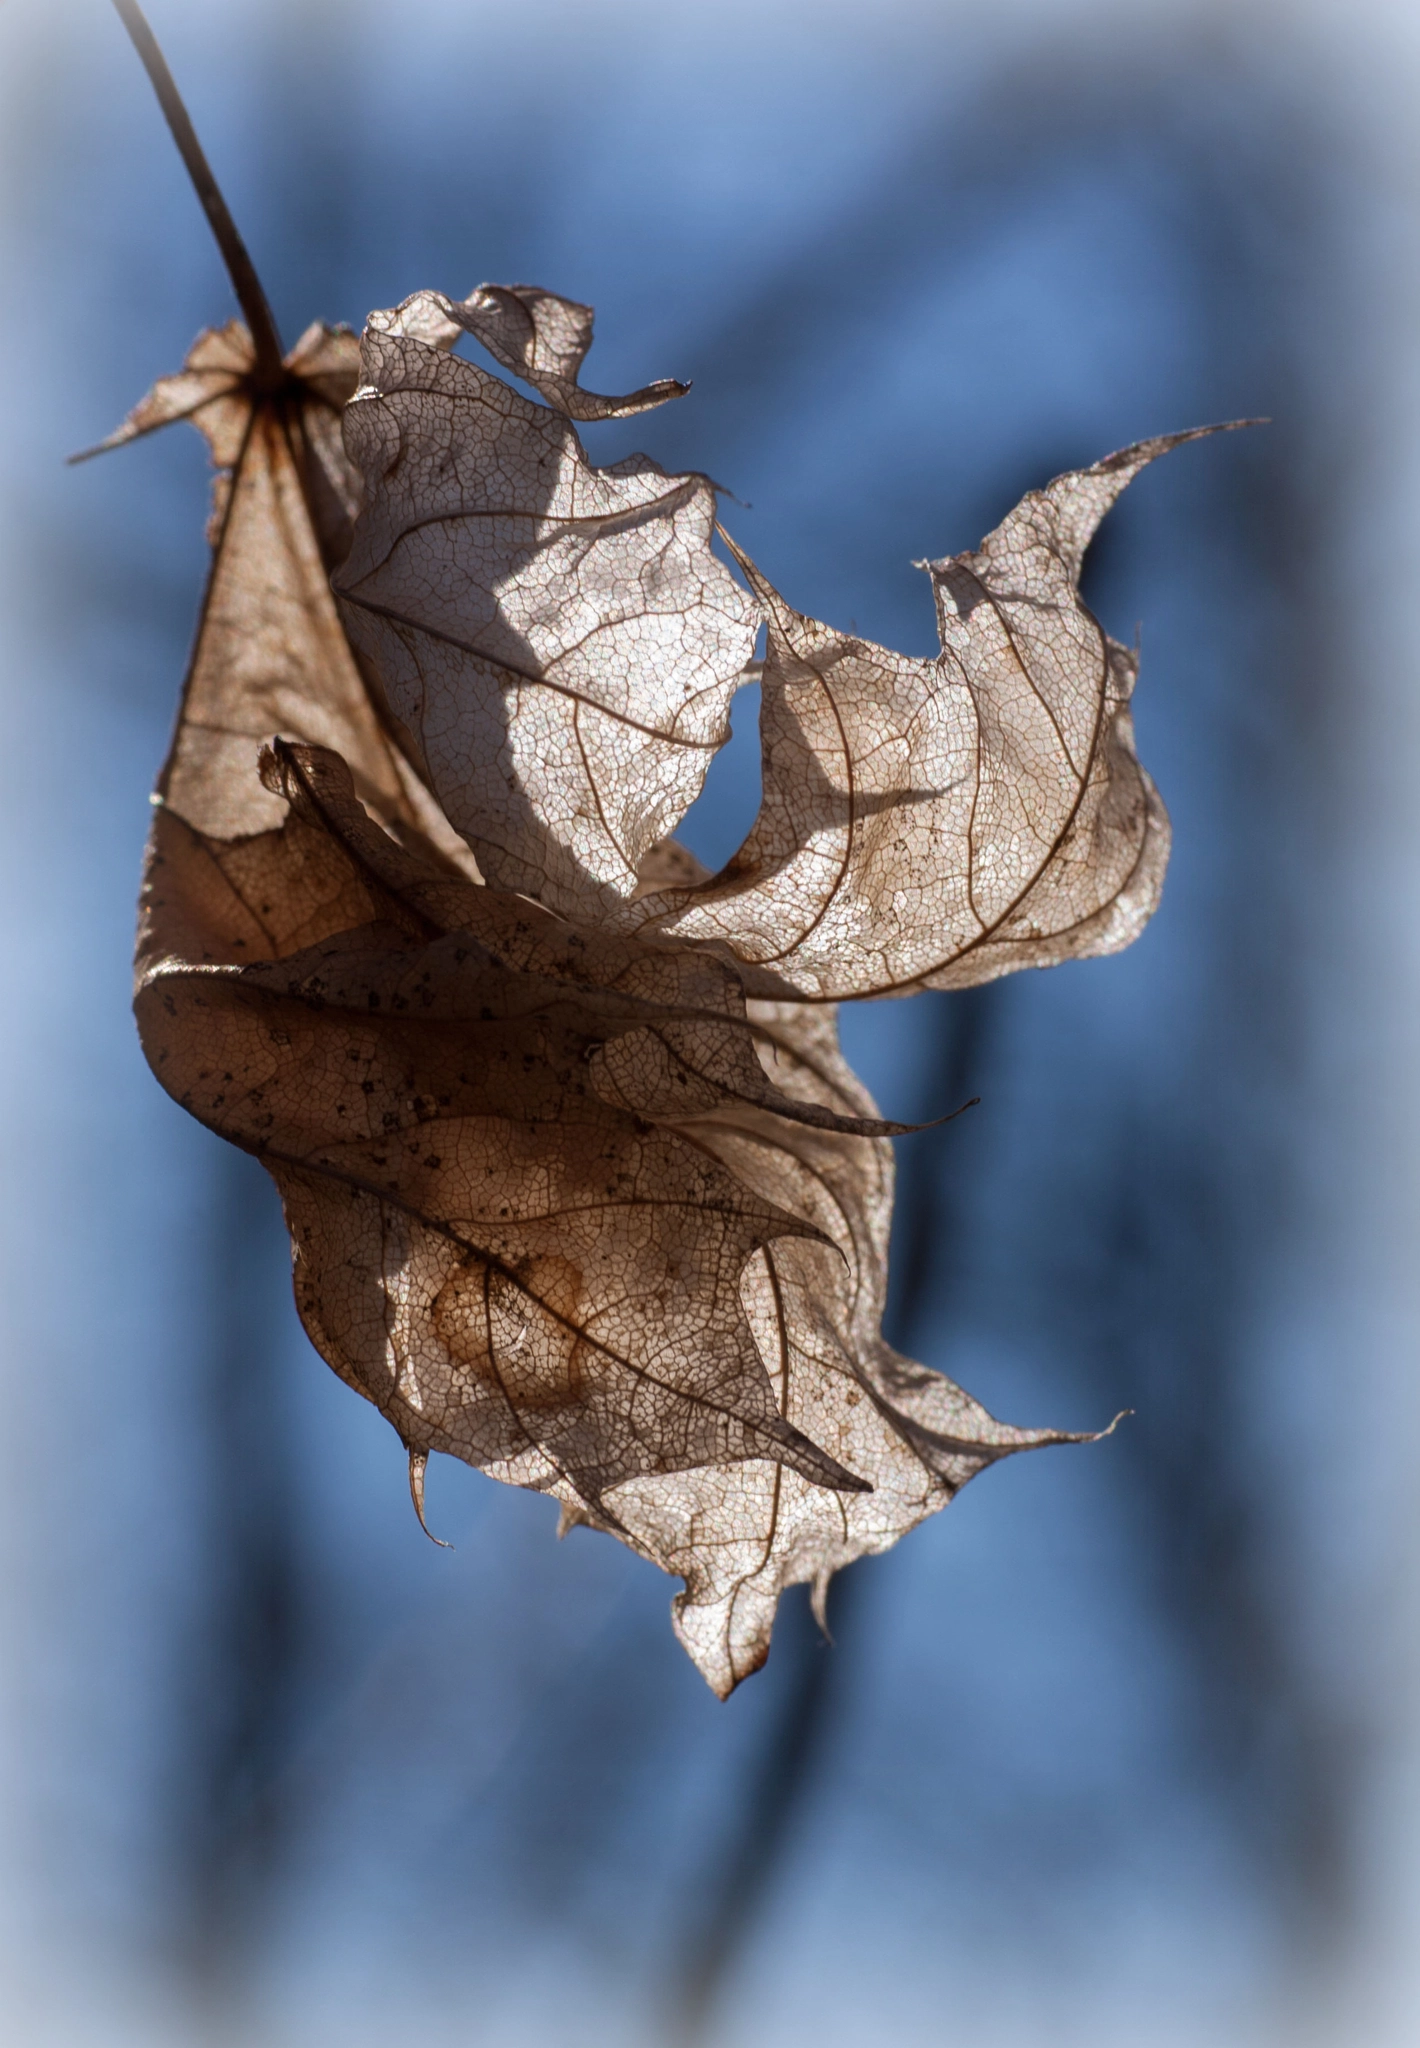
{"x":931,"y":824}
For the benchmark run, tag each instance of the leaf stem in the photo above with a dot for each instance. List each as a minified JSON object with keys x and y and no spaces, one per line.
{"x":266,"y":341}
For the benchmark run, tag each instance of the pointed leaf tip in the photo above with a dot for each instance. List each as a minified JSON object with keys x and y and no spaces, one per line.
{"x":418,"y":1464}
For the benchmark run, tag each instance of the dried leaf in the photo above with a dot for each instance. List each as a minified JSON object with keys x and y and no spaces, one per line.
{"x":210,"y":389}
{"x":564,"y":1202}
{"x":492,"y":1252}
{"x":931,"y":824}
{"x":558,"y":641}
{"x":271,"y":656}
{"x":740,"y":1534}
{"x":539,"y":337}
{"x":491,"y":1241}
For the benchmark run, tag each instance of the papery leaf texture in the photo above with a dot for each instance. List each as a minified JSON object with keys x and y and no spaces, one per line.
{"x":558,"y":642}
{"x":580,"y":1188}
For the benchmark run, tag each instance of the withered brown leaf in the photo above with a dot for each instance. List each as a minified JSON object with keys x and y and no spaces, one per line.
{"x":740,"y":1534}
{"x":494,"y":1238}
{"x":539,"y":337}
{"x":579,"y":1185}
{"x":558,"y":642}
{"x":931,"y":824}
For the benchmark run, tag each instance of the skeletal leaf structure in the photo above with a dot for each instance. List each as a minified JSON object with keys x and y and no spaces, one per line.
{"x":580,"y":1188}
